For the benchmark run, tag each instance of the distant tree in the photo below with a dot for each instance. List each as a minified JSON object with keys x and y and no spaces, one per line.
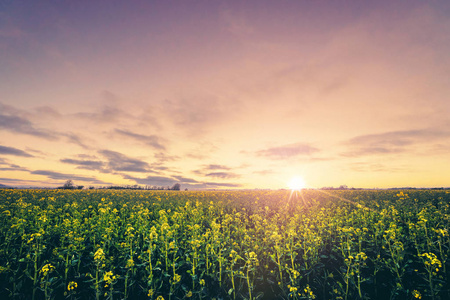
{"x":69,"y":185}
{"x":176,"y":187}
{"x":80,"y":187}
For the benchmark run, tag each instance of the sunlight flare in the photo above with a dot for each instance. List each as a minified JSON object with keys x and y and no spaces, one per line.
{"x":297,"y":183}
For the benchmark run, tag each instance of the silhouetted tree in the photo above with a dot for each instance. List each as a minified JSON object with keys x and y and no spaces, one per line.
{"x":69,"y":185}
{"x":176,"y":187}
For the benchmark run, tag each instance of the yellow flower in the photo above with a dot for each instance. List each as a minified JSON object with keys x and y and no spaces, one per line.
{"x":176,"y":278}
{"x":107,"y":276}
{"x":416,"y":294}
{"x":150,"y":293}
{"x":160,"y":298}
{"x":72,"y":285}
{"x":130,"y":263}
{"x":202,"y":282}
{"x":99,"y":255}
{"x":189,"y":294}
{"x":48,"y":268}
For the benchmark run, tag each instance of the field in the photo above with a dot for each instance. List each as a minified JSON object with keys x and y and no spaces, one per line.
{"x":102,"y":244}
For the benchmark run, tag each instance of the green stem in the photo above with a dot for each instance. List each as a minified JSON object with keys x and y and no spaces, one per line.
{"x":249,"y":285}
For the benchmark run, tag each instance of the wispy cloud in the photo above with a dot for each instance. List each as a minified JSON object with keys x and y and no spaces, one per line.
{"x":151,"y":140}
{"x":392,"y":141}
{"x":107,"y":114}
{"x":119,"y":162}
{"x":204,"y":112}
{"x":115,"y":162}
{"x":288,"y":151}
{"x":185,"y":180}
{"x":216,"y":171}
{"x":85,"y":164}
{"x":153,"y":180}
{"x":18,"y":121}
{"x":6,"y":166}
{"x":21,"y":125}
{"x":63,"y":176}
{"x":75,"y":139}
{"x":216,"y":167}
{"x":13,"y":151}
{"x":47,"y":111}
{"x":222,"y":175}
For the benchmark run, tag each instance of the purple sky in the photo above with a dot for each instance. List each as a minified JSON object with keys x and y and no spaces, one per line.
{"x":225,"y":94}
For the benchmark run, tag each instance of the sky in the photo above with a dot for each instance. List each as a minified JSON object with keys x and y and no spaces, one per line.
{"x":225,"y":94}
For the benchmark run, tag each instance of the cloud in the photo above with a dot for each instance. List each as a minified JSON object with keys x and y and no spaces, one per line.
{"x":287,"y":151}
{"x":199,"y":113}
{"x":106,"y":114}
{"x":6,"y":166}
{"x":185,"y":180}
{"x":75,"y":139}
{"x":21,"y":125}
{"x":153,"y":180}
{"x":115,"y":162}
{"x":392,"y":141}
{"x":219,"y":171}
{"x":13,"y":168}
{"x":151,"y":140}
{"x":85,"y":164}
{"x":62,"y":176}
{"x":222,"y":175}
{"x":216,"y":167}
{"x":47,"y":111}
{"x":163,"y":157}
{"x":14,"y":181}
{"x":121,"y":163}
{"x":13,"y":151}
{"x":16,"y":122}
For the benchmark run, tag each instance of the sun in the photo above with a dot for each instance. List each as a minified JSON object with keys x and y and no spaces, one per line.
{"x":297,"y":183}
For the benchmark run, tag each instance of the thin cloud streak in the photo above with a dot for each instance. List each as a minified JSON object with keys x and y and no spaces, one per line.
{"x":18,"y":124}
{"x":13,"y":151}
{"x":393,"y":141}
{"x":222,"y":175}
{"x":151,"y":140}
{"x":119,"y":162}
{"x":85,"y":164}
{"x":63,"y":176}
{"x":115,"y":163}
{"x":288,"y":151}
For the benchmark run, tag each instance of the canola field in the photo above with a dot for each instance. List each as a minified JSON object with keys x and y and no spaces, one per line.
{"x":104,"y":244}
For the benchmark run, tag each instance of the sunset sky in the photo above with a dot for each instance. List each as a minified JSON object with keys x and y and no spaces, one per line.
{"x":225,"y":94}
